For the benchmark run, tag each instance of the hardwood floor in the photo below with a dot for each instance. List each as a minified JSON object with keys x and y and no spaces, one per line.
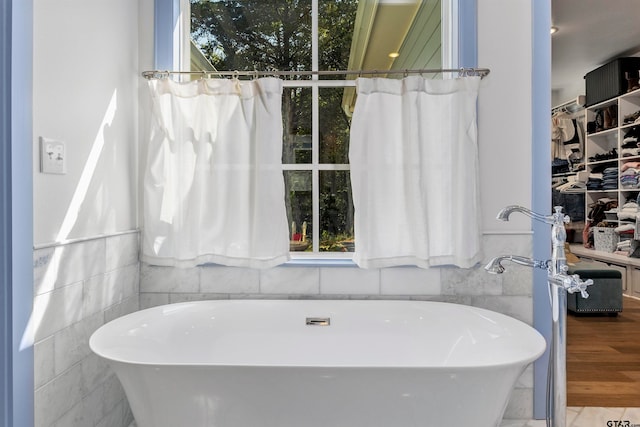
{"x":603,"y":358}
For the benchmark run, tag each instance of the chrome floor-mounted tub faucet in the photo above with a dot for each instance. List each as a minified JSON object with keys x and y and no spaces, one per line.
{"x":559,"y":283}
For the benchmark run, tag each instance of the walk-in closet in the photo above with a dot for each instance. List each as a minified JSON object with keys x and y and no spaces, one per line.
{"x":595,"y":177}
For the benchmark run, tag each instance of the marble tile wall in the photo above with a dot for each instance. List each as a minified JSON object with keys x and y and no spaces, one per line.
{"x":509,"y":293}
{"x":77,"y":288}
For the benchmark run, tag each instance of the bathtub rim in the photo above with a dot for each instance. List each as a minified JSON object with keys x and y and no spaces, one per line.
{"x":523,"y":361}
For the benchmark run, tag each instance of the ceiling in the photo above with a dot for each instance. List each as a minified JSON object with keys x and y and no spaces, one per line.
{"x":409,"y":28}
{"x":590,"y":34}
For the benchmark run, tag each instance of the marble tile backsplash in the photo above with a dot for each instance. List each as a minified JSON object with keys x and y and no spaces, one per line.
{"x":77,"y":288}
{"x":509,"y":293}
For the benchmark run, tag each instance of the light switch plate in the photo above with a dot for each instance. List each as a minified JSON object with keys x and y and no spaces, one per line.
{"x":52,"y":156}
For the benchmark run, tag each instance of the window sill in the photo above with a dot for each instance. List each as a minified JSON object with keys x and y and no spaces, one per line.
{"x":320,"y":261}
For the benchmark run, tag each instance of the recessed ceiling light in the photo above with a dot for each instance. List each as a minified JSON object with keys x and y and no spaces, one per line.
{"x":394,"y":55}
{"x":554,"y":30}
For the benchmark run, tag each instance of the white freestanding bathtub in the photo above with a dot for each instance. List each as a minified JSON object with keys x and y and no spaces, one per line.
{"x":319,"y":363}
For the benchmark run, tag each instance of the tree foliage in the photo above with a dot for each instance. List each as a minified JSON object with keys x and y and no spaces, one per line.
{"x":253,"y":34}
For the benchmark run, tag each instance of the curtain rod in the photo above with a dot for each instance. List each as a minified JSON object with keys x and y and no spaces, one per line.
{"x":463,"y":72}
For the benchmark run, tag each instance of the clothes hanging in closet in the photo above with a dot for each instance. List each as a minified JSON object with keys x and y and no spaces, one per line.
{"x":566,"y":137}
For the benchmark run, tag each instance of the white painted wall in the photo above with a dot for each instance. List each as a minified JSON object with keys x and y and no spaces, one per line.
{"x":505,"y":46}
{"x":86,"y":91}
{"x":85,"y":85}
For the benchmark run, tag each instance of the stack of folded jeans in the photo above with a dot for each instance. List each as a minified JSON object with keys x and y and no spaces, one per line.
{"x":610,"y":178}
{"x":595,"y":181}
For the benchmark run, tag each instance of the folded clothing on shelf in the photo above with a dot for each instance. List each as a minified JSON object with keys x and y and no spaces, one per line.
{"x":572,"y":187}
{"x":630,"y":178}
{"x":594,"y":183}
{"x":610,"y":178}
{"x":632,"y":118}
{"x":627,"y":165}
{"x":632,"y":135}
{"x":628,"y":211}
{"x":625,"y":228}
{"x":630,"y":149}
{"x":597,"y":209}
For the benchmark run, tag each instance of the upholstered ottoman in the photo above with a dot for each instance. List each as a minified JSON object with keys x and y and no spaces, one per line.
{"x":605,"y":295}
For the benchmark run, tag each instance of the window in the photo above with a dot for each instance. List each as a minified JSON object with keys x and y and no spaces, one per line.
{"x":311,"y":35}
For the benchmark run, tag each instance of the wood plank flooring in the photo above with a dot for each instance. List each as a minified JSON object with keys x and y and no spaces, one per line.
{"x":603,"y":358}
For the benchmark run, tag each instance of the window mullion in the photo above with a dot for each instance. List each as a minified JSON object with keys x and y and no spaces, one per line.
{"x":315,"y":139}
{"x":315,"y":158}
{"x":314,"y":38}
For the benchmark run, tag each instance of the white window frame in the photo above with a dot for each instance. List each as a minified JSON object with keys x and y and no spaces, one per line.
{"x":172,"y":52}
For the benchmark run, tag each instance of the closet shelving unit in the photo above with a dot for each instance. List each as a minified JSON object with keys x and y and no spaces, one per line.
{"x":602,"y":142}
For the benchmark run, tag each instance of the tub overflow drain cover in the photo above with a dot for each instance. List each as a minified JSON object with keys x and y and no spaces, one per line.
{"x":318,"y":321}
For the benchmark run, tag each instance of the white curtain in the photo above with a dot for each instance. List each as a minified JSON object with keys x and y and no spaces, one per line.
{"x":213,"y":186}
{"x":414,"y":172}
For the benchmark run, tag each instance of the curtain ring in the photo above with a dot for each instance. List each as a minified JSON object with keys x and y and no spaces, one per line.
{"x":406,"y":73}
{"x":468,"y":72}
{"x":236,"y":82}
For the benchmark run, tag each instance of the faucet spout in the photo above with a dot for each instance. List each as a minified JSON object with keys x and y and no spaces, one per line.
{"x":495,"y":265}
{"x":557,"y":218}
{"x":558,"y":232}
{"x":505,"y":212}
